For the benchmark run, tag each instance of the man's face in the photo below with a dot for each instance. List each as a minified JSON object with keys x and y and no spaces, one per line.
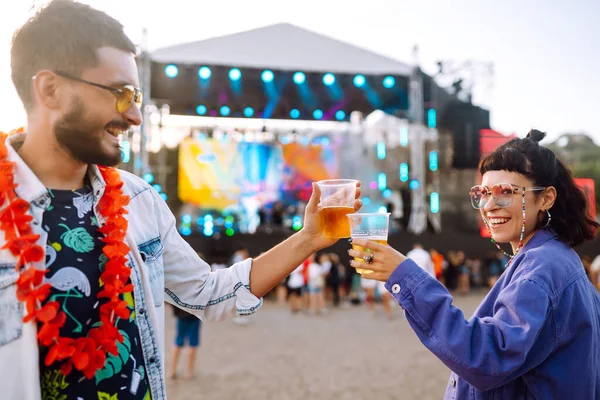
{"x":90,"y":128}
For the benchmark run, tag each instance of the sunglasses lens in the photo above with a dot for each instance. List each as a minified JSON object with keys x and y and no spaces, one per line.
{"x":125,"y":99}
{"x":478,"y":196}
{"x":503,"y":194}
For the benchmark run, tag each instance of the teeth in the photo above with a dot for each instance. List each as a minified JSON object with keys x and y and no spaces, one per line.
{"x":114,"y":131}
{"x":497,"y":221}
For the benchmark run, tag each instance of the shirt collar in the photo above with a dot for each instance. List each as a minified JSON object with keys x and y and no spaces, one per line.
{"x":29,"y":187}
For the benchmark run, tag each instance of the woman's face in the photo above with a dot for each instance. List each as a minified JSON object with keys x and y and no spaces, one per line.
{"x":506,"y":223}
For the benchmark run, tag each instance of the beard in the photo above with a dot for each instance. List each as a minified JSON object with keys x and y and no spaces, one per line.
{"x":75,"y":132}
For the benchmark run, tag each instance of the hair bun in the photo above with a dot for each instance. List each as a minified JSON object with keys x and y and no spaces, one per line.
{"x":536,"y":135}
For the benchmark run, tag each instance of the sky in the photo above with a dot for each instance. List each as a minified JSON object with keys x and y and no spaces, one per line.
{"x":545,"y":53}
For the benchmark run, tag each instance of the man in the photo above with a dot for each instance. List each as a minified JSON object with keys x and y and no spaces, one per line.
{"x":106,"y":244}
{"x":422,"y":258}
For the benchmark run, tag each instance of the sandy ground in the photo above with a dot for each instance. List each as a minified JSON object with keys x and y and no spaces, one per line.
{"x":348,"y":354}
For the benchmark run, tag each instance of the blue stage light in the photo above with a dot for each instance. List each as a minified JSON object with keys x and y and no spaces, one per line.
{"x":201,"y":110}
{"x":235,"y":74}
{"x":434,"y":202}
{"x":299,"y":78}
{"x":186,"y":219}
{"x":248,"y":112}
{"x":389,"y":82}
{"x":340,"y":115}
{"x":414,"y":184}
{"x":267,"y":76}
{"x":204,"y":72}
{"x":295,"y":113}
{"x":359,"y":80}
{"x":148,"y":177}
{"x":317,"y":114}
{"x":328,"y":79}
{"x":171,"y":71}
{"x":225,"y":111}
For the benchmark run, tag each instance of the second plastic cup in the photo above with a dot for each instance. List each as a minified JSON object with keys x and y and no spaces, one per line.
{"x":337,"y":201}
{"x":370,"y":226}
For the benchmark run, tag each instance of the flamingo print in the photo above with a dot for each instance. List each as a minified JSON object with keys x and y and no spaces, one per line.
{"x":67,"y":279}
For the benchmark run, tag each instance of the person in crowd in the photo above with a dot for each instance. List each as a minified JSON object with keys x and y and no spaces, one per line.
{"x":422,"y":258}
{"x":187,"y":332}
{"x":537,"y":332}
{"x":316,"y":286}
{"x":295,"y":284}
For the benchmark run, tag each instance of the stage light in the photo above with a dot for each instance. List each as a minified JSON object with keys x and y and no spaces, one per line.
{"x":185,"y":230}
{"x":299,"y":78}
{"x":295,"y":113}
{"x":366,"y":201}
{"x":387,"y":193}
{"x":229,"y":232}
{"x":414,"y":184}
{"x":389,"y":82}
{"x":157,"y":187}
{"x":267,"y":76}
{"x":171,"y":71}
{"x":204,"y":72}
{"x":434,"y":202}
{"x":201,"y":110}
{"x":383,"y":210}
{"x":359,"y":80}
{"x":317,"y":114}
{"x":404,"y":172}
{"x":148,"y":177}
{"x":381,"y":150}
{"x":208,"y":217}
{"x":373,"y":185}
{"x":208,"y":232}
{"x":433,"y":161}
{"x":403,"y":137}
{"x":208,"y":225}
{"x":186,"y":219}
{"x":225,"y":111}
{"x":340,"y":115}
{"x":296,"y":223}
{"x":164,"y":196}
{"x":248,"y":112}
{"x":235,"y":74}
{"x":328,"y":79}
{"x":432,"y":118}
{"x":381,"y":181}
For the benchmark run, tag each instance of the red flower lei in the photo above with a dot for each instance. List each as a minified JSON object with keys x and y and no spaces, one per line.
{"x":86,"y":354}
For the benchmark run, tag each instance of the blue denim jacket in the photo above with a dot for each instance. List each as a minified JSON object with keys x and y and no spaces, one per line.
{"x":163,"y":268}
{"x":536,"y":335}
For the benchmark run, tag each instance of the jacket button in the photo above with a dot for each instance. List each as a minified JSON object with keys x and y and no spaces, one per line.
{"x":396,"y":288}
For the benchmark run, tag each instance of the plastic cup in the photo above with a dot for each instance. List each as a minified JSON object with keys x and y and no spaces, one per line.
{"x":369,"y":226}
{"x":337,"y":201}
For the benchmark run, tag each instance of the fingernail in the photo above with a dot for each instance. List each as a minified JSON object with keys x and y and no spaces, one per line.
{"x":349,"y":251}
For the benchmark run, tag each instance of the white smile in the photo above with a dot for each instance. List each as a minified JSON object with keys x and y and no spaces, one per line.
{"x":494,"y":222}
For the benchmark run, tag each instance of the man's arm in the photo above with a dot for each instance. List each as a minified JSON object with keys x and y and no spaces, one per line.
{"x":270,"y":268}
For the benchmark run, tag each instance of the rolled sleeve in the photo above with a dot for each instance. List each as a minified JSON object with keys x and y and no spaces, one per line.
{"x":191,"y":285}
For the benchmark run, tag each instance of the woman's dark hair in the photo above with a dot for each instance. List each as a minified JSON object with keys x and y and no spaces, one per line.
{"x":570,"y":219}
{"x":62,"y":36}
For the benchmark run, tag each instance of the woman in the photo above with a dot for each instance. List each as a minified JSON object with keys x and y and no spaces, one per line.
{"x":537,"y":333}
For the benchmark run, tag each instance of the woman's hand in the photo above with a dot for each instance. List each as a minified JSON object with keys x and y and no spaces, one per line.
{"x":385,"y":259}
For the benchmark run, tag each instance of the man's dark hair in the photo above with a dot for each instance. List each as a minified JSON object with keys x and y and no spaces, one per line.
{"x":62,"y":36}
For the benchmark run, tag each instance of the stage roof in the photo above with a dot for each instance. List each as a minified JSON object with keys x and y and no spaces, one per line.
{"x":282,"y":47}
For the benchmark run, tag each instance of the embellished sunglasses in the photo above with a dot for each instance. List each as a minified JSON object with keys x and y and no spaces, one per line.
{"x":502,"y":194}
{"x":126,"y":96}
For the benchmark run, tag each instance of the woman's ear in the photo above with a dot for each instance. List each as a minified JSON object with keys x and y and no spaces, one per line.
{"x":548,"y":198}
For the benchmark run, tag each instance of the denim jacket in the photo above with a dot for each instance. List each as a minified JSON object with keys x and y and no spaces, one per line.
{"x":536,"y":335}
{"x":161,"y":262}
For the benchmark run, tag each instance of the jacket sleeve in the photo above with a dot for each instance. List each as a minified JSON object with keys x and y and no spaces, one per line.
{"x":191,"y":285}
{"x":486,"y":352}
